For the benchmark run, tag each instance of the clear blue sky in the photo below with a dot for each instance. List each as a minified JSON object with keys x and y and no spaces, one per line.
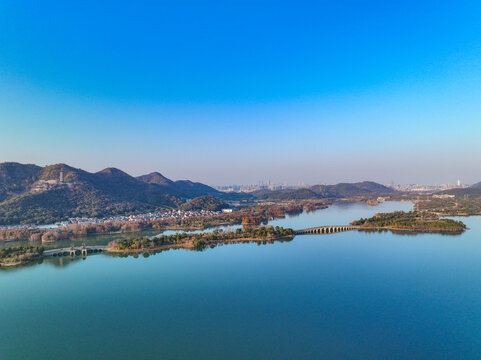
{"x":236,"y":92}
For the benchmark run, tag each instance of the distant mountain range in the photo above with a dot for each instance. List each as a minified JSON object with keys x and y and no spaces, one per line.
{"x":185,"y":188}
{"x":338,"y":191}
{"x":42,"y":195}
{"x":34,"y":194}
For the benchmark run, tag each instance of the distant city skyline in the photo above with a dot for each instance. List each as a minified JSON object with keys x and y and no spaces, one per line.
{"x":233,"y":93}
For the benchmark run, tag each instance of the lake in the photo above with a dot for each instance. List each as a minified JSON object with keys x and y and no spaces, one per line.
{"x":349,"y":295}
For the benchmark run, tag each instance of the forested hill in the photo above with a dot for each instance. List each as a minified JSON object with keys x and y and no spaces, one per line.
{"x":206,"y":202}
{"x":338,"y":191}
{"x":344,"y":190}
{"x":16,"y":178}
{"x":33,"y":194}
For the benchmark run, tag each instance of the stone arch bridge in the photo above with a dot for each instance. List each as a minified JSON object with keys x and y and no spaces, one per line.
{"x":327,"y":229}
{"x":75,"y":250}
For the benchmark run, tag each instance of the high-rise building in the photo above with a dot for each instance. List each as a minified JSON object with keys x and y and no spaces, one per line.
{"x":459,"y":183}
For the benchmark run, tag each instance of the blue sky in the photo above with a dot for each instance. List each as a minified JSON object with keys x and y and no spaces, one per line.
{"x":237,"y":92}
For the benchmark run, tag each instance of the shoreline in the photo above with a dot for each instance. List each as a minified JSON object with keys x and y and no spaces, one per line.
{"x":189,"y":245}
{"x":10,"y":257}
{"x":258,"y":215}
{"x":400,"y":229}
{"x":20,"y":263}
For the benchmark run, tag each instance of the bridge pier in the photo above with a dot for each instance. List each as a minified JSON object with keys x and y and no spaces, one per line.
{"x":84,"y":250}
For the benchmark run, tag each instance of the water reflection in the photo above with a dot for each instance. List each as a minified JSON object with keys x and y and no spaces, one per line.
{"x":411,"y":232}
{"x":340,"y":213}
{"x":348,"y":295}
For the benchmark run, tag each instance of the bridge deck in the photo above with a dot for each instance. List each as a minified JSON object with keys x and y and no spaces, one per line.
{"x":325,"y":229}
{"x":53,"y":252}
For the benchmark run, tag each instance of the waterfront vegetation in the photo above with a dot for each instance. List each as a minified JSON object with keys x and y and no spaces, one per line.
{"x":75,"y":230}
{"x":19,"y":255}
{"x":200,"y":240}
{"x":464,"y":206}
{"x":410,"y":221}
{"x":250,"y":216}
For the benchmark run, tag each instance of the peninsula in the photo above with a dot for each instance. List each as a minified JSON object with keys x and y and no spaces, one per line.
{"x":13,"y":256}
{"x":200,"y":240}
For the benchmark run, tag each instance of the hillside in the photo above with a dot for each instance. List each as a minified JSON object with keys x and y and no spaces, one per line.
{"x":16,"y":178}
{"x":288,"y":194}
{"x":338,"y":191}
{"x":156,"y":178}
{"x":471,"y":191}
{"x":189,"y":189}
{"x":344,"y":190}
{"x":32,"y":194}
{"x":204,"y":203}
{"x":476,"y":186}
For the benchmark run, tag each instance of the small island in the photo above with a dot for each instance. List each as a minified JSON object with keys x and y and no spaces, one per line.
{"x":200,"y":240}
{"x":13,"y":256}
{"x":410,"y":221}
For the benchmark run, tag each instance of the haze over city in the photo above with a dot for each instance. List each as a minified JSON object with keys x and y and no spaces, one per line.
{"x":237,"y":93}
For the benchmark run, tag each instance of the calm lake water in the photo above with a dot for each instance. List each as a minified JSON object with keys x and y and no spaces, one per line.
{"x":348,"y":295}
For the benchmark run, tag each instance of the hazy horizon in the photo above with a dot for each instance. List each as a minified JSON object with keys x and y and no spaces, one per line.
{"x":233,"y":94}
{"x":258,"y":182}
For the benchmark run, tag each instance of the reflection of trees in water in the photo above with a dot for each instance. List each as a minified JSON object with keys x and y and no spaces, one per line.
{"x":55,"y":261}
{"x":442,"y":233}
{"x":296,"y":214}
{"x":62,"y":261}
{"x":411,"y":232}
{"x":22,"y":266}
{"x":146,"y":254}
{"x":89,"y":240}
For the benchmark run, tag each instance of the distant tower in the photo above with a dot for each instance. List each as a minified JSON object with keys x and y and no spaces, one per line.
{"x":61,"y":176}
{"x":459,"y":183}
